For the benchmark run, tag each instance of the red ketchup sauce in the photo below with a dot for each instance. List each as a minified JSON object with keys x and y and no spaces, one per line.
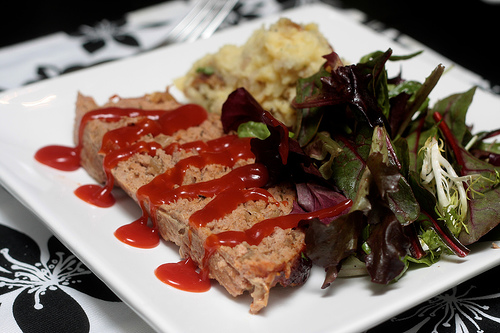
{"x":259,"y":231}
{"x":183,"y":275}
{"x":120,"y":143}
{"x":59,"y":157}
{"x":225,"y":202}
{"x":226,"y":152}
{"x":68,"y":158}
{"x":248,"y":176}
{"x":138,"y":233}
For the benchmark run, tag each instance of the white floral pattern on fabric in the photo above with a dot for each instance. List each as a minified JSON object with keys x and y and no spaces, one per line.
{"x":45,"y":288}
{"x":472,"y":306}
{"x":44,"y":296}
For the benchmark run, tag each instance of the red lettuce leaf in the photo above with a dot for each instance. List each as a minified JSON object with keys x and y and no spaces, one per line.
{"x":312,"y":197}
{"x":284,"y":158}
{"x":328,"y":245}
{"x":351,"y":86}
{"x":488,"y":156}
{"x":385,"y":168}
{"x":240,"y":107}
{"x":388,"y":246}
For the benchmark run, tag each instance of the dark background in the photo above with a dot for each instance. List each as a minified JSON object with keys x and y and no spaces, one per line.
{"x":25,"y":20}
{"x":466,"y":32}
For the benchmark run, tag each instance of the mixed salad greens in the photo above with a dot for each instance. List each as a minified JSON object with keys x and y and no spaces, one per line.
{"x":422,"y":184}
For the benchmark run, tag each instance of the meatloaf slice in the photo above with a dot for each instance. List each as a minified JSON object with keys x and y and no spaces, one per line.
{"x":93,"y":133}
{"x":243,"y":268}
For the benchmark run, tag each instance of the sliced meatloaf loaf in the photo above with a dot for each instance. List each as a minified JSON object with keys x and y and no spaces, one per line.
{"x":241,"y":268}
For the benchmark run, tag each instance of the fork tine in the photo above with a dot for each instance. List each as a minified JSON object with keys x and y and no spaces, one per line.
{"x":201,"y":21}
{"x":204,"y":10}
{"x":191,"y":19}
{"x":219,"y":18}
{"x":203,"y":17}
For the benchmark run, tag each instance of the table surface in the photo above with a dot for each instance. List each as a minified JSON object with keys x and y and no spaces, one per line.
{"x":466,"y":34}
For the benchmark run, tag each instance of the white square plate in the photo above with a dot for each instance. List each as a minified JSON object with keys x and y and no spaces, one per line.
{"x":43,"y":113}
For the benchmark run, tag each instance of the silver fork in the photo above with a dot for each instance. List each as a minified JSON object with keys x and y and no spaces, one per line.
{"x":200,"y":22}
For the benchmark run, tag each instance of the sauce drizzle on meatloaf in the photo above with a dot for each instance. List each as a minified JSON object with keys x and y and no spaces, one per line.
{"x":180,"y":179}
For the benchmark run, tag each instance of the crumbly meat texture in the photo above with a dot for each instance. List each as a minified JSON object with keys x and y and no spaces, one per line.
{"x":243,"y":268}
{"x":94,"y":131}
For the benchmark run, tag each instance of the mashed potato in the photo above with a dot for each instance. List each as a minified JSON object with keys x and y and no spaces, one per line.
{"x":268,"y":65}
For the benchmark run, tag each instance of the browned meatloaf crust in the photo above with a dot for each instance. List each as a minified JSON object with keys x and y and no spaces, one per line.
{"x":253,"y":268}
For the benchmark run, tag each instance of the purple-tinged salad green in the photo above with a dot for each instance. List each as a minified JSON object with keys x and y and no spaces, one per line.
{"x":421,"y":182}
